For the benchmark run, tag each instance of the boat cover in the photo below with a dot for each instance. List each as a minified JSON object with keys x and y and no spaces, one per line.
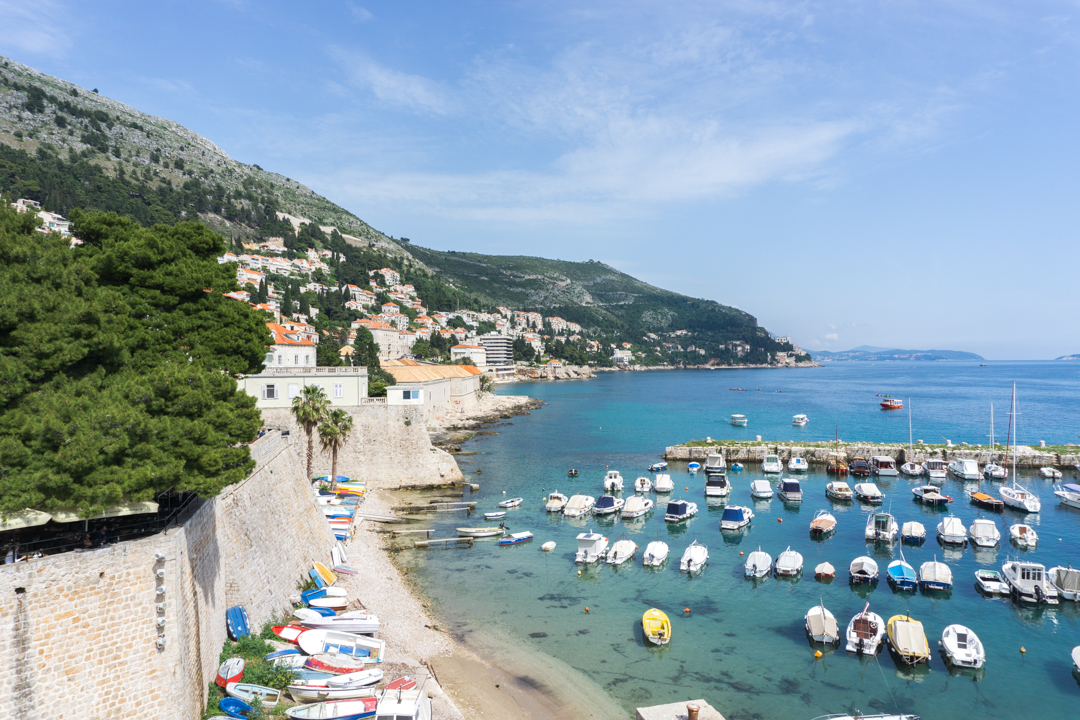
{"x":913,"y":529}
{"x":952,"y":526}
{"x":909,"y":638}
{"x":733,"y":514}
{"x":1071,"y":487}
{"x":679,"y":507}
{"x":605,"y":501}
{"x":934,"y":571}
{"x":819,"y":624}
{"x":825,"y":569}
{"x":634,"y":504}
{"x":1068,"y":579}
{"x":983,"y":529}
{"x":790,"y":486}
{"x":577,"y":502}
{"x":863,"y":566}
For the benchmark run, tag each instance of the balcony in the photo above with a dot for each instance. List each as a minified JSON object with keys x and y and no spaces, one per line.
{"x":301,"y":370}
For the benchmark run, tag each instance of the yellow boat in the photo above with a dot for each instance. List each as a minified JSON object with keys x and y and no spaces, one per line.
{"x":325,"y":573}
{"x":657,"y":626}
{"x":908,"y":639}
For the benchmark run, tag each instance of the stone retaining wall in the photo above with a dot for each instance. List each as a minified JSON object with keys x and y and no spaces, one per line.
{"x":1026,"y":457}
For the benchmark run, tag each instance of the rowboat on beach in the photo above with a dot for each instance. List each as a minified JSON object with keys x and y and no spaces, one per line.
{"x":230,"y":671}
{"x":319,"y":641}
{"x":319,"y":691}
{"x":339,"y":710}
{"x":248,"y":692}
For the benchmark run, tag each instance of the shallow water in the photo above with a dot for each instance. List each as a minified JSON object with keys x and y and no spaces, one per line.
{"x":742,"y":646}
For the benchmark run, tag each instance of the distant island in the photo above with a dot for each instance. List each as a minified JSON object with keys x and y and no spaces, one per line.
{"x":1069,"y":357}
{"x":869,"y":353}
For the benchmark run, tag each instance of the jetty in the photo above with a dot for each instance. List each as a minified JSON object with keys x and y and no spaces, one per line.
{"x":686,"y":710}
{"x":444,"y":541}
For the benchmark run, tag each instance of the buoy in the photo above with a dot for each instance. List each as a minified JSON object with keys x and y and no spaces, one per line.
{"x":579,"y":573}
{"x":687,"y":489}
{"x":780,"y":520}
{"x":740,"y":553}
{"x":817,"y":654}
{"x":504,"y":492}
{"x":686,"y":610}
{"x":1022,"y":650}
{"x":586,"y":608}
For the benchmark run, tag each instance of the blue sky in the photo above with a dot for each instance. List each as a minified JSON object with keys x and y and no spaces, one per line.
{"x":884,"y":173}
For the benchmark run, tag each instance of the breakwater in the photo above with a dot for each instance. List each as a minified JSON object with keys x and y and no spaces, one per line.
{"x":818,"y":453}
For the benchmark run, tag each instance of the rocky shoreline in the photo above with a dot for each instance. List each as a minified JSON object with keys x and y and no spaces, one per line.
{"x":491,"y":410}
{"x":642,"y":368}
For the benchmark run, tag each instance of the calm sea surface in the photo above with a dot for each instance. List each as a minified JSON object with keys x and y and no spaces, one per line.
{"x":743,"y":647}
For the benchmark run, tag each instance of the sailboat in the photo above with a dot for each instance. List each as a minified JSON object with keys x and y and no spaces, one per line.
{"x":1014,"y":495}
{"x":993,"y":471}
{"x":911,"y":467}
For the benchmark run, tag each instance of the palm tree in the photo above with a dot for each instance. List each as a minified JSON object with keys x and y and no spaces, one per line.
{"x":309,"y":408}
{"x":333,"y":435}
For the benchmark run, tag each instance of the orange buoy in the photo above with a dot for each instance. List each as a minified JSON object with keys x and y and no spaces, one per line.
{"x":740,"y":553}
{"x":817,"y":654}
{"x":687,"y":489}
{"x":586,"y":608}
{"x":686,"y":610}
{"x":780,"y":520}
{"x":1022,"y":650}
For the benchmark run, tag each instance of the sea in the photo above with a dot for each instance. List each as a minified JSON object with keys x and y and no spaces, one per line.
{"x":740,"y":644}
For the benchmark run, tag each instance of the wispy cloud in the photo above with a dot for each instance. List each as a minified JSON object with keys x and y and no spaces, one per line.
{"x":359,"y":13}
{"x":37,"y":28}
{"x":393,"y":88}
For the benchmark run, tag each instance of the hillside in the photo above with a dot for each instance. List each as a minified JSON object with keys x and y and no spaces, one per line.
{"x":866,"y":353}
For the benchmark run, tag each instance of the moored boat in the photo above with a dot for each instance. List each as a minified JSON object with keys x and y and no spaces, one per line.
{"x":658,"y":466}
{"x":962,"y":647}
{"x":548,"y":546}
{"x":636,"y":506}
{"x":680,"y":510}
{"x":1017,"y":496}
{"x":964,"y":469}
{"x":799,"y":420}
{"x":863,"y":571}
{"x":868,"y":492}
{"x":986,"y":501}
{"x":516,"y":538}
{"x":715,"y":464}
{"x":772,"y":464}
{"x":621,"y":551}
{"x":883,"y":465}
{"x":511,"y":503}
{"x":613,"y":481}
{"x":663,"y":484}
{"x":930,"y":495}
{"x":822,"y":524}
{"x":1066,"y":580}
{"x":1068,"y":494}
{"x":821,"y":625}
{"x":824,"y":571}
{"x":1028,"y":583}
{"x":913,"y":532}
{"x":798,"y":464}
{"x":608,"y":504}
{"x":935,"y":469}
{"x":591,"y":547}
{"x":859,"y":467}
{"x":642,"y":485}
{"x":908,"y":640}
{"x":693,"y":467}
{"x":555,"y":502}
{"x":481,"y":532}
{"x":694,"y":558}
{"x":656,"y":553}
{"x":951,"y":531}
{"x":736,"y":517}
{"x":495,"y":515}
{"x":991,"y":582}
{"x":836,"y":464}
{"x":838,"y":490}
{"x":1050,"y":473}
{"x":656,"y":626}
{"x":880,"y":527}
{"x":1023,"y":536}
{"x":789,"y":490}
{"x":789,"y":563}
{"x":717,"y":486}
{"x":761,"y":489}
{"x":984,"y":533}
{"x":934,"y":575}
{"x":865,"y":632}
{"x":578,"y":505}
{"x":901,"y":575}
{"x":758,"y":564}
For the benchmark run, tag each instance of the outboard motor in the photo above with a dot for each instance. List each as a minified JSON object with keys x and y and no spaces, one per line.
{"x":1040,"y":595}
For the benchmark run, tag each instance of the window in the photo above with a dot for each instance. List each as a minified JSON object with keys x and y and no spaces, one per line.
{"x":307,"y":359}
{"x":294,"y":390}
{"x":269,"y":392}
{"x":296,"y":360}
{"x":339,"y":390}
{"x":270,"y":359}
{"x":278,"y":359}
{"x":410,"y":394}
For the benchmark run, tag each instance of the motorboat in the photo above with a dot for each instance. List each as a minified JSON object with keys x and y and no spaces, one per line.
{"x":865,"y":632}
{"x":799,"y":420}
{"x":789,"y":490}
{"x":798,"y":464}
{"x":642,"y":485}
{"x":908,"y":640}
{"x":789,"y":563}
{"x":715,"y":464}
{"x":1023,"y":536}
{"x":984,"y":533}
{"x":717,"y":486}
{"x":657,"y":627}
{"x":613,"y":481}
{"x":901,"y":575}
{"x":981,"y":499}
{"x":930,"y":495}
{"x":656,"y":553}
{"x":863,"y":571}
{"x":1066,"y":580}
{"x":572,"y":472}
{"x":1016,"y":496}
{"x":658,"y":466}
{"x":1028,"y":583}
{"x":991,"y":582}
{"x":962,"y":647}
{"x":822,"y":524}
{"x":501,"y":515}
{"x":883,"y":465}
{"x":693,"y":467}
{"x":868,"y":492}
{"x":578,"y":505}
{"x":548,"y":546}
{"x":891,"y":403}
{"x":555,"y":502}
{"x":964,"y":469}
{"x":951,"y":531}
{"x":935,"y":470}
{"x":607,"y":505}
{"x":1068,"y":494}
{"x":772,"y":464}
{"x":881,"y":527}
{"x":738,"y":420}
{"x":511,"y":503}
{"x":913,"y":532}
{"x":482,"y":532}
{"x":680,"y":510}
{"x":736,"y":517}
{"x":859,"y":467}
{"x":761,"y":489}
{"x":934,"y":575}
{"x":993,"y":471}
{"x":824,"y":571}
{"x":663,"y":483}
{"x":821,"y":625}
{"x":621,"y":551}
{"x":838,"y":490}
{"x":758,"y":564}
{"x":694,"y":558}
{"x":516,"y":538}
{"x":836,"y":464}
{"x":635,"y":507}
{"x":912,"y":469}
{"x":591,"y":546}
{"x":1050,"y":473}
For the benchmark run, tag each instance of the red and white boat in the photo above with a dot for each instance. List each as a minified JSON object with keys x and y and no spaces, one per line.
{"x":341,"y":710}
{"x":232,"y":670}
{"x":892,"y":404}
{"x":334,"y":664}
{"x":290,"y":632}
{"x":402,"y":683}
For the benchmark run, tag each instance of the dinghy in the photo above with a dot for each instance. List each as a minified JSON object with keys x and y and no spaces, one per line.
{"x":325,"y":573}
{"x":838,"y":490}
{"x":868,"y":492}
{"x":1024,"y":536}
{"x":334,"y":664}
{"x":548,"y":546}
{"x":404,"y":702}
{"x":288,"y":633}
{"x":962,"y":647}
{"x":236,"y":622}
{"x":693,"y":467}
{"x":656,"y":626}
{"x":511,"y":503}
{"x":736,"y":517}
{"x":664,"y":483}
{"x":901,"y":575}
{"x":591,"y":547}
{"x":984,"y":533}
{"x":283,"y":653}
{"x":360,"y":678}
{"x":789,"y":563}
{"x":481,"y":532}
{"x":319,"y":691}
{"x":555,"y":502}
{"x":694,"y":558}
{"x":880,"y":527}
{"x":230,"y":671}
{"x":337,"y":558}
{"x":1067,"y":582}
{"x":761,"y":489}
{"x":824,"y":571}
{"x":321,"y":640}
{"x":578,"y":505}
{"x":308,"y":595}
{"x":608,"y":504}
{"x":621,"y":551}
{"x":334,"y":603}
{"x":516,"y":538}
{"x":951,"y":531}
{"x":355,"y":623}
{"x":863,"y":570}
{"x":822,"y":524}
{"x":865,"y":632}
{"x":235,"y":708}
{"x":656,"y":553}
{"x":680,"y":510}
{"x":501,"y":515}
{"x":758,"y":564}
{"x":248,"y":692}
{"x":642,"y":485}
{"x":789,"y":490}
{"x":636,"y":507}
{"x":658,"y":466}
{"x":335,"y":710}
{"x":913,"y":532}
{"x":991,"y":582}
{"x":908,"y":640}
{"x":934,"y":575}
{"x":613,"y":481}
{"x":821,"y":625}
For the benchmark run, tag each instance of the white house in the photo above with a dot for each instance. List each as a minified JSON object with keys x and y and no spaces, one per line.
{"x":476,"y":353}
{"x":291,"y":349}
{"x":276,"y":387}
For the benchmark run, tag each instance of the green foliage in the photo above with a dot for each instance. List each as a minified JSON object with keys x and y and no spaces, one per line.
{"x":310,"y":408}
{"x":333,"y":436}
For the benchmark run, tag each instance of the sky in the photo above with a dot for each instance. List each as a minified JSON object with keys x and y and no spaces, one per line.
{"x":899,"y":174}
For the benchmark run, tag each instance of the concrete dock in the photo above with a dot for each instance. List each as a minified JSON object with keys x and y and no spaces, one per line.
{"x":678,"y":711}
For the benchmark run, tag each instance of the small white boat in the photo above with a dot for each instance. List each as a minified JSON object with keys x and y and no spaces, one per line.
{"x":930,"y":495}
{"x":738,"y":420}
{"x":951,"y":531}
{"x":694,"y":558}
{"x":824,"y":570}
{"x":680,"y":510}
{"x":319,"y":641}
{"x":863,"y":571}
{"x":636,"y":507}
{"x":613,"y":481}
{"x":883,"y":465}
{"x":789,"y":490}
{"x":333,"y":602}
{"x":717,"y":486}
{"x":821,"y":625}
{"x":693,"y":467}
{"x":548,"y":546}
{"x":761,"y":489}
{"x":663,"y":483}
{"x":360,"y":678}
{"x":1076,"y":658}
{"x":868,"y":492}
{"x":306,"y":691}
{"x":736,"y":517}
{"x":338,"y":710}
{"x":865,"y":632}
{"x":1068,"y":494}
{"x":758,"y":564}
{"x":964,"y":469}
{"x":715,"y":464}
{"x":495,"y":515}
{"x":984,"y":533}
{"x":799,"y":420}
{"x":555,"y":502}
{"x":912,"y":469}
{"x":407,"y":702}
{"x":481,"y":532}
{"x":838,"y":490}
{"x":934,"y":575}
{"x":789,"y":563}
{"x":248,"y":692}
{"x":658,"y":466}
{"x":608,"y":504}
{"x":991,"y":582}
{"x":772,"y":464}
{"x":357,"y":622}
{"x":1028,"y":583}
{"x":1066,"y":580}
{"x":621,"y":551}
{"x":518,"y":538}
{"x":1020,"y":498}
{"x":962,"y":647}
{"x":1024,"y":536}
{"x":578,"y":505}
{"x":656,"y":553}
{"x":511,"y":503}
{"x":993,"y":471}
{"x":913,"y":532}
{"x":642,"y":484}
{"x":935,"y":470}
{"x":591,"y":547}
{"x":1050,"y":473}
{"x":798,"y":464}
{"x":822,"y":524}
{"x":880,"y":527}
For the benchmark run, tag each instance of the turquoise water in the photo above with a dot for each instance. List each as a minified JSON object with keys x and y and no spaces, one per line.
{"x":743,"y":647}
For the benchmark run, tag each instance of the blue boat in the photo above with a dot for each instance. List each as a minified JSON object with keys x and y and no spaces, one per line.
{"x":735,"y":517}
{"x":902,"y":576}
{"x":271,"y":657}
{"x":516,"y":538}
{"x":308,"y":595}
{"x":658,"y":466}
{"x":319,"y":582}
{"x":693,"y":467}
{"x":679,"y":510}
{"x":236,"y":622}
{"x":235,"y":708}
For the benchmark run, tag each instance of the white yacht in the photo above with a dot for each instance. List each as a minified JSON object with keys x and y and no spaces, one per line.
{"x":578,"y":505}
{"x":761,"y":489}
{"x":881,"y":527}
{"x":865,"y":632}
{"x":1028,"y":583}
{"x":964,"y":469}
{"x":869,"y":492}
{"x":715,"y":464}
{"x":789,"y":563}
{"x":656,"y":553}
{"x":590,"y":547}
{"x":984,"y":533}
{"x":951,"y":531}
{"x":1068,"y":494}
{"x":838,"y":490}
{"x":962,"y":647}
{"x":694,"y":558}
{"x":799,"y":420}
{"x":758,"y":564}
{"x":555,"y":502}
{"x":798,"y":464}
{"x":636,"y":507}
{"x":663,"y":483}
{"x":821,"y":625}
{"x":642,"y":485}
{"x":738,"y":420}
{"x":717,"y":486}
{"x":736,"y":517}
{"x":935,"y":470}
{"x":607,"y":505}
{"x":993,"y":471}
{"x":1014,"y":495}
{"x":621,"y":551}
{"x":883,"y":465}
{"x":680,"y":510}
{"x":613,"y":481}
{"x":772,"y":464}
{"x":1024,"y":536}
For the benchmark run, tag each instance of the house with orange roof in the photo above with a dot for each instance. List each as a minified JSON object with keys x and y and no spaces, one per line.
{"x":290,"y":348}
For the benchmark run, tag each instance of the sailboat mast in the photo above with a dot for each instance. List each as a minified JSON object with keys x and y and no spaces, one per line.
{"x":1011,"y":416}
